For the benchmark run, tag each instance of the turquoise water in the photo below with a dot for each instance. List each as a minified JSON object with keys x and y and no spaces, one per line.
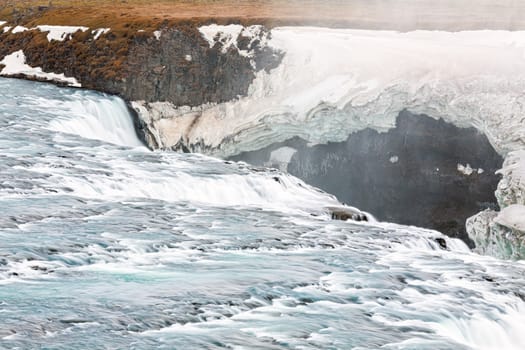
{"x":106,"y":245}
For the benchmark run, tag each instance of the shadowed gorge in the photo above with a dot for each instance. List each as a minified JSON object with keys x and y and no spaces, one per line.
{"x":407,"y":175}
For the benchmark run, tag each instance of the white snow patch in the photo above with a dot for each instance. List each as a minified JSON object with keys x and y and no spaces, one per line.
{"x":100,"y":31}
{"x":394,"y":159}
{"x":157,"y":34}
{"x":188,"y":58}
{"x":6,"y":29}
{"x":60,"y":33}
{"x":19,"y":29}
{"x":15,"y":64}
{"x":512,"y":217}
{"x":2,"y":23}
{"x":480,"y":171}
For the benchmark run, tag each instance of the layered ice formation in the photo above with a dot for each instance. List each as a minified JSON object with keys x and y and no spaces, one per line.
{"x":333,"y":82}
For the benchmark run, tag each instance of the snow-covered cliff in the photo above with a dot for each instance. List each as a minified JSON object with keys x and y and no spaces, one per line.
{"x":333,"y":82}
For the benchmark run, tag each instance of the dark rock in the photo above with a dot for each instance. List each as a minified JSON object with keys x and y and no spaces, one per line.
{"x":159,"y":69}
{"x":209,"y":76}
{"x":442,"y":242}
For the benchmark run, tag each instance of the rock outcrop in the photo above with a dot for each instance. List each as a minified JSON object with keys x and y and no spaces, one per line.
{"x":173,"y":64}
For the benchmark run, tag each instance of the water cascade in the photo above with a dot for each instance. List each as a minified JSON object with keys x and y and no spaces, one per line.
{"x":105,"y":243}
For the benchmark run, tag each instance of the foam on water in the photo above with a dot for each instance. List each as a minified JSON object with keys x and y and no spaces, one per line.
{"x":106,"y":244}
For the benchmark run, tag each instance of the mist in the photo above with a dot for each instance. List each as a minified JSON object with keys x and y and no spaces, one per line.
{"x":402,"y":15}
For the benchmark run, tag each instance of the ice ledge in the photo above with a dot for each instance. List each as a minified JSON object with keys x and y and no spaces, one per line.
{"x":333,"y":82}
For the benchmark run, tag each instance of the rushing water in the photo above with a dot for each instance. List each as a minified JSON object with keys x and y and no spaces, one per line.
{"x":106,"y":245}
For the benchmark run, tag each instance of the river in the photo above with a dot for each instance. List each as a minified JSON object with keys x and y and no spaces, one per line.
{"x":107,"y":245}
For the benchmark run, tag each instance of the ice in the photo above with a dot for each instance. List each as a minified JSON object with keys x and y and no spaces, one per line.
{"x":332,"y":82}
{"x":503,"y":234}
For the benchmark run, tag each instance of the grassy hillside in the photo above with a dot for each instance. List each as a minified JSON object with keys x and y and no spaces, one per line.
{"x":371,"y":14}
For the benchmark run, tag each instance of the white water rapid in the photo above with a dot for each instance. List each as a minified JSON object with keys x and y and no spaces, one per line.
{"x":106,"y":244}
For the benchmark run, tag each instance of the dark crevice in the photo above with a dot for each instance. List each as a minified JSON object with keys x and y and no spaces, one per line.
{"x":407,"y":175}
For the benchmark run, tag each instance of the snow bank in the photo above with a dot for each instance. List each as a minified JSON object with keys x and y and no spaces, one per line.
{"x":15,"y":64}
{"x":333,"y":82}
{"x":60,"y":33}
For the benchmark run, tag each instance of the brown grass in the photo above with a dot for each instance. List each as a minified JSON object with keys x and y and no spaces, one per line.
{"x":370,"y":14}
{"x":131,"y":14}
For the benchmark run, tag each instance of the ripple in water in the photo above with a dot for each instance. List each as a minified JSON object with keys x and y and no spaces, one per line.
{"x":108,"y":245}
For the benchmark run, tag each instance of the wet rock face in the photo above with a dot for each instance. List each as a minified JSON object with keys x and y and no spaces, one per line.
{"x":181,"y":68}
{"x":425,"y":172}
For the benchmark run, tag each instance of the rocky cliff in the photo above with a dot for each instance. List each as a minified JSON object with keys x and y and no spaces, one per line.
{"x":173,"y":64}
